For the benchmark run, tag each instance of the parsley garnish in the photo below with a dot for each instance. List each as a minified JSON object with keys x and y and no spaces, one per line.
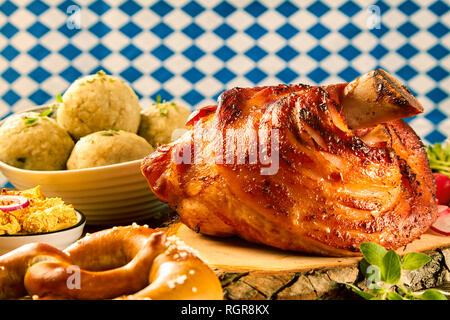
{"x":106,"y":133}
{"x":111,"y":132}
{"x":46,"y":113}
{"x":30,"y":121}
{"x":163,"y":110}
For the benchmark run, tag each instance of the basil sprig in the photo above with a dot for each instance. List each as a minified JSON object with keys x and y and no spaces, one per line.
{"x":383,"y":270}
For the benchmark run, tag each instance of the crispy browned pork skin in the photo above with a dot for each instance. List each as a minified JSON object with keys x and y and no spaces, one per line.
{"x":280,"y":166}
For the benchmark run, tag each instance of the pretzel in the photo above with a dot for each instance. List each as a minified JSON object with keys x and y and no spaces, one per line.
{"x":15,"y":264}
{"x":131,"y":262}
{"x":178,"y":274}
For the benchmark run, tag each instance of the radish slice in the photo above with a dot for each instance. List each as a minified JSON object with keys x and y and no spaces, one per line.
{"x":17,"y":203}
{"x":442,"y":225}
{"x":443,"y":210}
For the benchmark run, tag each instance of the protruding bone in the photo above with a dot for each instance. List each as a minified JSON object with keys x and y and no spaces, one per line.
{"x":377,"y":97}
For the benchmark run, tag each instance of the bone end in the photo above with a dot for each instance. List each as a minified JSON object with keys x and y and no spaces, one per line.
{"x":377,"y":97}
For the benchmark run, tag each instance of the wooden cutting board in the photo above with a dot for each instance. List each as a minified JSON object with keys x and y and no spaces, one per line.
{"x":252,"y":271}
{"x":237,"y":255}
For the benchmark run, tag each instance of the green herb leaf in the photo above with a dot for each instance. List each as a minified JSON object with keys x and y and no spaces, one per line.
{"x":394,"y":296}
{"x":30,"y":121}
{"x":375,"y":288}
{"x":59,"y":98}
{"x":373,"y":276}
{"x":158,"y":99}
{"x":432,"y":294}
{"x":46,"y":113}
{"x":363,"y":265}
{"x":415,"y":260}
{"x":371,"y":273}
{"x":163,"y":110}
{"x":391,"y":269}
{"x":365,"y":295}
{"x":373,"y":253}
{"x":106,"y":133}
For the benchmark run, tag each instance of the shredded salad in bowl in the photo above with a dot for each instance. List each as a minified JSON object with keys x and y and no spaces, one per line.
{"x":31,"y":212}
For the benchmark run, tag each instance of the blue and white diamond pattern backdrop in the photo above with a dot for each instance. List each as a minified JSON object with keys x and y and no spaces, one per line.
{"x":191,"y":50}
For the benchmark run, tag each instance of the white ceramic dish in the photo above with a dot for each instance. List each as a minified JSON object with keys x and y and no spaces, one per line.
{"x":108,"y":195}
{"x":60,"y":239}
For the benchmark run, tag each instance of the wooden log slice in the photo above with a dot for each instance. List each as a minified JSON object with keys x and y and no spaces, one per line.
{"x":252,"y":271}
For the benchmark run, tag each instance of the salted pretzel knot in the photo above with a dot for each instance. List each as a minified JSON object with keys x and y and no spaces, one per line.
{"x":131,"y":262}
